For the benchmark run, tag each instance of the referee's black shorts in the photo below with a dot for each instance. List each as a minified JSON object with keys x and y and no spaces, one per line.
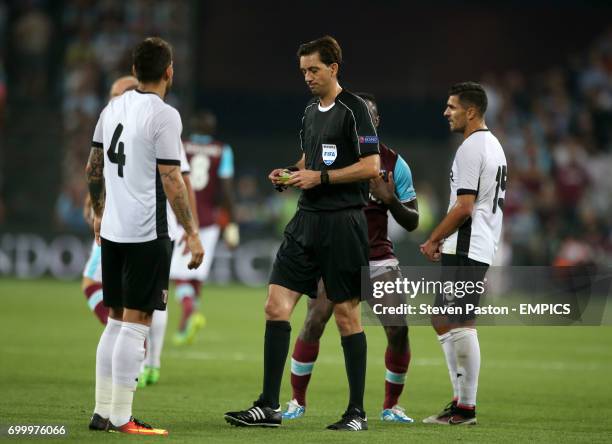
{"x":135,"y":275}
{"x":461,"y":269}
{"x":332,"y":245}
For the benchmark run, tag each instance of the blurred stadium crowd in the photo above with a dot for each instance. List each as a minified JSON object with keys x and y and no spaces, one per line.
{"x":555,"y":126}
{"x":556,"y":129}
{"x":92,"y":61}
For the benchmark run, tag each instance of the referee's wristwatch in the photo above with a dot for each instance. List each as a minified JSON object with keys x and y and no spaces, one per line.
{"x":324,"y":177}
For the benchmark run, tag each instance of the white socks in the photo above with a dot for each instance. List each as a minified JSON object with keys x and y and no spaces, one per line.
{"x":448,"y":347}
{"x":127,"y":358}
{"x":467,"y":350}
{"x":155,"y":341}
{"x":104,"y":367}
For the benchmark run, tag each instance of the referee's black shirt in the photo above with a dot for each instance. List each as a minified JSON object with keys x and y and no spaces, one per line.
{"x":335,"y":139}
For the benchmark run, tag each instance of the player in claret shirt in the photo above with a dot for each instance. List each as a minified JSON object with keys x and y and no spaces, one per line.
{"x":393,"y":192}
{"x":212,"y":172}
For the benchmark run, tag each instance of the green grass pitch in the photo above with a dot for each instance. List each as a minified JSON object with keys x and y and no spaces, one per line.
{"x":537,"y":384}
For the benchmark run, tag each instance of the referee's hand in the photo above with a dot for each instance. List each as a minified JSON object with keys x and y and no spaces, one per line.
{"x":275,"y":176}
{"x":304,"y":179}
{"x":197,"y":251}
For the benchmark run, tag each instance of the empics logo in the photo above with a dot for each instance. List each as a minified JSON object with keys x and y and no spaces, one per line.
{"x":368,"y":139}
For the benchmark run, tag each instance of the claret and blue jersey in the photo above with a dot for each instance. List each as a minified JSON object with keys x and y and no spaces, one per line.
{"x":210,"y":161}
{"x":376,"y":212}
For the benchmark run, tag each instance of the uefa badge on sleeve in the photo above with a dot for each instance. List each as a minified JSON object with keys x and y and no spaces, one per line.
{"x":368,"y":139}
{"x":329,"y":153}
{"x":165,"y":296}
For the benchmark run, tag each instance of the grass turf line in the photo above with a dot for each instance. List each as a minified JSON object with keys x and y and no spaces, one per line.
{"x":537,"y":383}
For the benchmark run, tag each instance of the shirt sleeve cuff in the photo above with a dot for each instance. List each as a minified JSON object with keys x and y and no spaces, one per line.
{"x":368,"y":153}
{"x":462,"y":191}
{"x":168,"y":162}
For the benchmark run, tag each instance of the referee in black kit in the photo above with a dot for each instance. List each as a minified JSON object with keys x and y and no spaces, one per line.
{"x":327,"y":238}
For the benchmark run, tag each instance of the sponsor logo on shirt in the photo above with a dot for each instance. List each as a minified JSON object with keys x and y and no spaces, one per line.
{"x":329,"y":153}
{"x":368,"y":139}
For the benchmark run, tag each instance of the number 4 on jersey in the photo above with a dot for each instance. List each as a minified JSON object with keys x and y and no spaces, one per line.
{"x":117,"y":157}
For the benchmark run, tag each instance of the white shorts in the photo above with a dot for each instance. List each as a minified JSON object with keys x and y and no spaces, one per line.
{"x":93,"y":267}
{"x":178,"y":268}
{"x":383,"y":266}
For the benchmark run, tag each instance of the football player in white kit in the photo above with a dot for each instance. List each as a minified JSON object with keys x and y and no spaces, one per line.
{"x":465,"y":241}
{"x":92,"y":274}
{"x":133,"y":167}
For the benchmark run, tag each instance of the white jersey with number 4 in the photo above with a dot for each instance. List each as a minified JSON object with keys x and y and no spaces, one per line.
{"x":137,"y":131}
{"x":480,"y":169}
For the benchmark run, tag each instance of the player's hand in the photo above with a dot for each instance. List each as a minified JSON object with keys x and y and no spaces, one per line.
{"x":197,"y":250}
{"x":97,"y":222}
{"x":431,"y":250}
{"x":304,"y":179}
{"x":383,"y":190}
{"x":184,"y":243}
{"x":231,"y":235}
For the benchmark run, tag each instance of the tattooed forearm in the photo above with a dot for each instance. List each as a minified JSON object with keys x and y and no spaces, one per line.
{"x":175,"y":190}
{"x":97,"y":193}
{"x":170,"y":174}
{"x":95,"y":179}
{"x":180,"y":206}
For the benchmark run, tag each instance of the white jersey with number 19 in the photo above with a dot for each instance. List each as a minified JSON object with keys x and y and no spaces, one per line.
{"x":137,"y":131}
{"x":480,"y":169}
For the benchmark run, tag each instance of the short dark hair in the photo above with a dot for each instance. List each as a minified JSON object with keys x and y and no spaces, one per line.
{"x":367,"y":96}
{"x":151,"y":58}
{"x":328,"y":48}
{"x":470,"y":94}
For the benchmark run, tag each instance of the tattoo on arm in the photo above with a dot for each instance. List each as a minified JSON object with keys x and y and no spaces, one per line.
{"x":191,"y":198}
{"x":170,"y":175}
{"x":182,"y":210}
{"x":95,"y":179}
{"x":176,"y":192}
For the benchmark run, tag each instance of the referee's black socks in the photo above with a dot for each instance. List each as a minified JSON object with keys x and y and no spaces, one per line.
{"x":276,"y":349}
{"x":355,"y":354}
